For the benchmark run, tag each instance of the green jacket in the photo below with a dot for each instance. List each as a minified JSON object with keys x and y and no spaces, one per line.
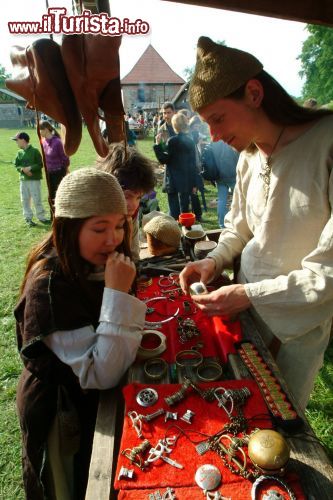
{"x":32,"y":158}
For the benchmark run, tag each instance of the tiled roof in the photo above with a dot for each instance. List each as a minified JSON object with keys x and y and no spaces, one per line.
{"x":151,"y":68}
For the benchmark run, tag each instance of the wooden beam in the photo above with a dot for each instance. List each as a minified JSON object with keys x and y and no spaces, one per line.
{"x":306,"y":11}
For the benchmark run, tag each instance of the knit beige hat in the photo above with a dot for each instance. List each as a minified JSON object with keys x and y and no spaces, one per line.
{"x":88,"y":192}
{"x":165,"y":230}
{"x":219,"y":71}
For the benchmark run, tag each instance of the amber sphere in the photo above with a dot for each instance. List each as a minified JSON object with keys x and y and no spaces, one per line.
{"x":268,"y":450}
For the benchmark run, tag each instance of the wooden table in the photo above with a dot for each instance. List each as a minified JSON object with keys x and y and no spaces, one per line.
{"x":308,"y":457}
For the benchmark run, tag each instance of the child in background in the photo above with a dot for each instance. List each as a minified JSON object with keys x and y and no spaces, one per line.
{"x":78,"y":331}
{"x":135,"y":174}
{"x":28,"y":163}
{"x":57,"y":162}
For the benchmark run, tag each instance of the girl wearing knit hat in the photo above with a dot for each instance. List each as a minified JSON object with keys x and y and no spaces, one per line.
{"x":280,"y":222}
{"x":78,"y":330}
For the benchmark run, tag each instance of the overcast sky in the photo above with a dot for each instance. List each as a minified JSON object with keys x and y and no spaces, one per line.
{"x":174,"y":31}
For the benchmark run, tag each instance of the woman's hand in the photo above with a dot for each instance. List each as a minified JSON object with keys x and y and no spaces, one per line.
{"x":120,"y":272}
{"x":200,"y":270}
{"x":226,"y":300}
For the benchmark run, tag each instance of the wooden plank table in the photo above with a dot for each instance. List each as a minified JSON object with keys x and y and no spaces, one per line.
{"x":308,"y":457}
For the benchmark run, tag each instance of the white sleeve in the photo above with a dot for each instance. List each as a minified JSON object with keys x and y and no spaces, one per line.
{"x":100,"y":358}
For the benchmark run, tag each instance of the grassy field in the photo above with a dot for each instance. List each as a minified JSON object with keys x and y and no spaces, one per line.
{"x":15,"y":241}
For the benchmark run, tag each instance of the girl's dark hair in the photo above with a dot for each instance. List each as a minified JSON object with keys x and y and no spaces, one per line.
{"x":44,"y":124}
{"x":64,"y":243}
{"x":132,"y":169}
{"x":278,"y":105}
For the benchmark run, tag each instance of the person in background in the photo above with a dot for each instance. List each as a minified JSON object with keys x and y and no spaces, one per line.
{"x":78,"y":330}
{"x":28,"y":163}
{"x":180,"y":177}
{"x":166,"y":130}
{"x":280,"y":224}
{"x":197,"y":137}
{"x":57,"y":162}
{"x":135,"y":173}
{"x":226,"y":159}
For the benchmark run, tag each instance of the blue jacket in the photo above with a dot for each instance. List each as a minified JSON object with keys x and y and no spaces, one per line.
{"x":180,"y":160}
{"x":226,"y":159}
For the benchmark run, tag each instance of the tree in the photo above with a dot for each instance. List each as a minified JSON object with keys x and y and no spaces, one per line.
{"x":317,"y":64}
{"x":3,"y":76}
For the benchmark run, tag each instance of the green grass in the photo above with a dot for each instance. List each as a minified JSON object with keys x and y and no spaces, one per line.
{"x":15,"y":241}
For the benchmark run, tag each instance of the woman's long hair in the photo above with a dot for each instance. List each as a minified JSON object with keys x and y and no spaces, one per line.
{"x":63,"y":242}
{"x":44,"y":124}
{"x":279,"y":106}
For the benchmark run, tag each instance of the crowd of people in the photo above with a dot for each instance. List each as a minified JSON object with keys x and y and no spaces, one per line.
{"x":79,"y":324}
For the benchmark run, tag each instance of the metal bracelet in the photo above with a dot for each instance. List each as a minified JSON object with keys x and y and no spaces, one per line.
{"x":214,"y":365}
{"x":145,"y":353}
{"x":261,"y":479}
{"x":157,"y":362}
{"x":193,"y":356}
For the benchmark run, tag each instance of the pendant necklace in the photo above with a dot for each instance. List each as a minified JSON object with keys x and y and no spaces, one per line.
{"x":266,"y":169}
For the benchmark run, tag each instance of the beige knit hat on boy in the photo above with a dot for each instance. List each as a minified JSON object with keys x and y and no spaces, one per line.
{"x":219,"y":71}
{"x":88,"y":192}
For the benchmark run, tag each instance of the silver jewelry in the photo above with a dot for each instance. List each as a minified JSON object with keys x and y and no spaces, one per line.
{"x":169,"y":415}
{"x":208,"y":477}
{"x":147,"y":397}
{"x":261,"y":479}
{"x":161,"y":322}
{"x":187,"y":417}
{"x":197,"y":288}
{"x":145,"y":353}
{"x":125,"y":473}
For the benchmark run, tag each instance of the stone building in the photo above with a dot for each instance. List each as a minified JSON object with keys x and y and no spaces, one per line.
{"x":150,"y":82}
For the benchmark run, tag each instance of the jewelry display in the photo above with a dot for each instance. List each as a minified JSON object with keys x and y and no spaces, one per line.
{"x":158,"y":452}
{"x":134,"y":454}
{"x":168,"y":495}
{"x":208,"y":477}
{"x":215,"y":495}
{"x":261,"y":479}
{"x":173,"y":293}
{"x":268,"y":385}
{"x":228,"y":399}
{"x":137,"y":419}
{"x":178,"y":395}
{"x":187,"y":329}
{"x":125,"y":473}
{"x":145,"y":353}
{"x":169,"y":415}
{"x":155,"y":368}
{"x":268,"y":451}
{"x":198,"y":288}
{"x":188,"y":357}
{"x":213,"y":368}
{"x":147,"y":397}
{"x":150,"y":310}
{"x":187,"y":417}
{"x":144,"y":282}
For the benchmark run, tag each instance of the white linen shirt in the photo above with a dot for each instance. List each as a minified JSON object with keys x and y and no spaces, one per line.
{"x":286,"y":247}
{"x":100,"y":358}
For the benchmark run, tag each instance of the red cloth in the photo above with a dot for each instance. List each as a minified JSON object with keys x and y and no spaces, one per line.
{"x":238,"y":490}
{"x":208,"y":419}
{"x":219,"y":334}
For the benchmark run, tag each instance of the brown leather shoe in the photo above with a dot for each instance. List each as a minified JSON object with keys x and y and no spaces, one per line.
{"x":41,"y":79}
{"x":93,"y":69}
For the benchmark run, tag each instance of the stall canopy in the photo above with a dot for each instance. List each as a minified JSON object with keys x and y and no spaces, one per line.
{"x":306,"y":11}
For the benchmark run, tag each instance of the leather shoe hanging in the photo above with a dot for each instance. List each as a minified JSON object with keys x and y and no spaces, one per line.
{"x":41,"y":79}
{"x":93,"y":69}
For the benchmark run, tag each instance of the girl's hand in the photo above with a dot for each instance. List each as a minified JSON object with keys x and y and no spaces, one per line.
{"x":120,"y":272}
{"x":226,"y":300}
